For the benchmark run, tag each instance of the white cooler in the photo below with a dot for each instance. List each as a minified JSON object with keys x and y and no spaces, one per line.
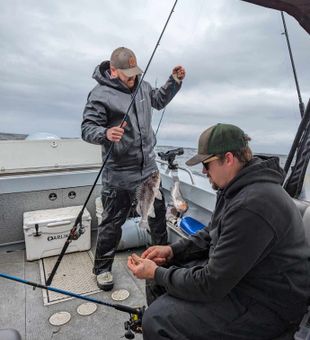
{"x":53,"y":227}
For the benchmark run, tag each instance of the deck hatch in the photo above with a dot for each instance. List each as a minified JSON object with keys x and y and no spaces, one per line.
{"x":74,"y":274}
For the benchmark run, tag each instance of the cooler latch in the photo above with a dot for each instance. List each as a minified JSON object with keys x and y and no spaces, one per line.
{"x":37,"y":233}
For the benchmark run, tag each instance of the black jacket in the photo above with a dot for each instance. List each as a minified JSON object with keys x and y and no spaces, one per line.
{"x":256,"y":246}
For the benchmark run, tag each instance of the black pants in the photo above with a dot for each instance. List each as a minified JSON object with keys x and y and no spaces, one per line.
{"x":117,"y":204}
{"x":235,"y":317}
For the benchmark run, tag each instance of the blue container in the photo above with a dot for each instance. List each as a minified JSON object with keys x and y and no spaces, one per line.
{"x":190,"y":226}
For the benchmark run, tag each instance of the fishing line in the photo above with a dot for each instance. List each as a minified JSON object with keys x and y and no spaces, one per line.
{"x":75,"y":232}
{"x":192,"y":33}
{"x":161,"y":118}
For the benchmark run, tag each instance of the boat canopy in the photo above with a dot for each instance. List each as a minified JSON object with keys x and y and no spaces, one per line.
{"x":299,"y":9}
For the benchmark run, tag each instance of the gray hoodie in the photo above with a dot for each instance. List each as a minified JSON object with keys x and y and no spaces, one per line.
{"x":133,"y":158}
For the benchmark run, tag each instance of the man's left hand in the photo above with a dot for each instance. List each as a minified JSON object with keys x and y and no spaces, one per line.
{"x":179,"y":72}
{"x":141,"y":268}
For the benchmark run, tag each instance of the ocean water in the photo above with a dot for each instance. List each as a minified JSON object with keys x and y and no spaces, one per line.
{"x":12,"y":136}
{"x":190,"y":152}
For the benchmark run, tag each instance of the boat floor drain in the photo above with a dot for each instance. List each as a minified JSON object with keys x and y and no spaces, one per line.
{"x":87,"y":308}
{"x":59,"y":318}
{"x":120,"y":295}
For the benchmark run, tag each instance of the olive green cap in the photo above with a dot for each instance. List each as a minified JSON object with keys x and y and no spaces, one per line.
{"x":218,"y":139}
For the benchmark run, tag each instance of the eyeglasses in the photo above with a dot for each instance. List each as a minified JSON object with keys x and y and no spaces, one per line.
{"x":208,"y":161}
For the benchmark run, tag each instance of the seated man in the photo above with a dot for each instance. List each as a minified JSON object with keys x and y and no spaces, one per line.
{"x":248,"y":275}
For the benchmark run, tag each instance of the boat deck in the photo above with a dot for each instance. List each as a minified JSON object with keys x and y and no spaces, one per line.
{"x":22,"y":306}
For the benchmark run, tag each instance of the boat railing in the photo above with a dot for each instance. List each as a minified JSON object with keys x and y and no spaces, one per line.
{"x":179,"y":167}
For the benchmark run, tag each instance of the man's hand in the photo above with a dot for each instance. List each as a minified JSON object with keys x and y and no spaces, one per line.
{"x":115,"y":133}
{"x":159,"y":254}
{"x":179,"y":72}
{"x":141,"y":268}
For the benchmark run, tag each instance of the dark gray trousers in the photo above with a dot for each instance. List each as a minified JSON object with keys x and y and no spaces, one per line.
{"x":117,"y":204}
{"x":171,"y":318}
{"x":235,"y":317}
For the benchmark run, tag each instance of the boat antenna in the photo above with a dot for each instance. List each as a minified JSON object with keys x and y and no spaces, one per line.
{"x":301,"y":104}
{"x":135,"y":320}
{"x":77,"y":228}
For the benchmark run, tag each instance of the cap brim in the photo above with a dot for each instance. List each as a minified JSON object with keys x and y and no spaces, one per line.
{"x":197,"y":159}
{"x":133,"y":71}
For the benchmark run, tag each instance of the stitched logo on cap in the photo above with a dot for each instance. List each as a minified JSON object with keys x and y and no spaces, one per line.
{"x":132,"y":62}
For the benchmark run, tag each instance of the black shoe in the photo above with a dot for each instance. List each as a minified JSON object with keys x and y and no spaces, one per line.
{"x":105,"y":281}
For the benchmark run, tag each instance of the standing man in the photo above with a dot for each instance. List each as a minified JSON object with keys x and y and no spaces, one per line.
{"x":132,"y":159}
{"x":246,"y":276}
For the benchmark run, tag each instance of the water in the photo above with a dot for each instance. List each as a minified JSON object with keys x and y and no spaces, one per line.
{"x":12,"y":136}
{"x":190,"y":152}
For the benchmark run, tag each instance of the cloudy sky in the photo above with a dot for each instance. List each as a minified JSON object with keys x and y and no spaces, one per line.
{"x":237,"y":63}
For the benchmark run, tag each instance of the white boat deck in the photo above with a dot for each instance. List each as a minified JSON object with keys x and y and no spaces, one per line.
{"x":22,"y":306}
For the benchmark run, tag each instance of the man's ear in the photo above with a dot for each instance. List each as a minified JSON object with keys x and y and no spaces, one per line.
{"x":113,"y":72}
{"x":229,"y":157}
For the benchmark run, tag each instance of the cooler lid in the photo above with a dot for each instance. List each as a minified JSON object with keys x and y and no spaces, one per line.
{"x":54,"y":215}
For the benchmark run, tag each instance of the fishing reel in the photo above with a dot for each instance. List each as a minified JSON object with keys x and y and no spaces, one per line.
{"x":78,"y":229}
{"x":170,"y":155}
{"x":134,"y":324}
{"x":77,"y":232}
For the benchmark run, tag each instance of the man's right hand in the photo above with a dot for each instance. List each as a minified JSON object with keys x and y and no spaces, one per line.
{"x":115,"y":133}
{"x":159,"y":254}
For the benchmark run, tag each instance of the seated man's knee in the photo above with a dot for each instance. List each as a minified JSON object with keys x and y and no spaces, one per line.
{"x":154,"y":320}
{"x":148,"y":319}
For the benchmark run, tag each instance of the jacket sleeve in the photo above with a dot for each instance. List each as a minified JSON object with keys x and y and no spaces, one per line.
{"x":197,"y":246}
{"x":244,"y":240}
{"x":94,"y":122}
{"x":162,"y":96}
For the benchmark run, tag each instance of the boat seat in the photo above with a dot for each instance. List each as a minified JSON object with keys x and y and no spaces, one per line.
{"x":287,"y":335}
{"x":9,"y":334}
{"x":304,"y":209}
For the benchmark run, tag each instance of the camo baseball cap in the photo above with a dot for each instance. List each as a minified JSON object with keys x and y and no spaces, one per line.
{"x":125,"y":60}
{"x":218,"y":139}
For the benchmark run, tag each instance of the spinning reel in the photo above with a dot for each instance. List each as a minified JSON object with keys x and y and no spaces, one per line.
{"x":134,"y":324}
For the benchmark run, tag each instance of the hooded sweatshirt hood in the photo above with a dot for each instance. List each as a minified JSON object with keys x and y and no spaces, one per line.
{"x":103,"y":76}
{"x":260,"y":169}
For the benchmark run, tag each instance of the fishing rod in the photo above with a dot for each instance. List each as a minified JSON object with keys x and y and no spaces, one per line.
{"x":77,"y":229}
{"x":133,"y":324}
{"x":301,"y":104}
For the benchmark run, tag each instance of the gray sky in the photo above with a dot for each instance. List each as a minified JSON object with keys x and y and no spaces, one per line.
{"x":238,"y":68}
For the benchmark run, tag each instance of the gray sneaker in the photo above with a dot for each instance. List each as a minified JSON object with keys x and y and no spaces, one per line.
{"x":105,"y":281}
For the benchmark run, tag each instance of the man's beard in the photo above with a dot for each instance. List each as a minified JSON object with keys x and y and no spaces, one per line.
{"x":214,"y":186}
